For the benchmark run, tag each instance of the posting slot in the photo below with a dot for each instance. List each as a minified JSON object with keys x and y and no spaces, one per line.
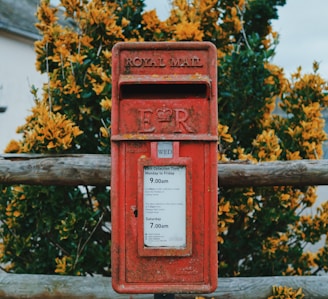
{"x":153,"y":91}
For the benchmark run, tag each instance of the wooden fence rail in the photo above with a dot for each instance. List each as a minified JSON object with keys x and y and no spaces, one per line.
{"x":34,"y":169}
{"x":18,"y":286}
{"x":66,"y":170}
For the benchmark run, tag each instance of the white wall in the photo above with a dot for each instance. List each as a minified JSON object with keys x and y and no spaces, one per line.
{"x":17,"y":73}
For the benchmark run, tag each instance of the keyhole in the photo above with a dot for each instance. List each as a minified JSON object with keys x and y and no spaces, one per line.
{"x":134,"y":211}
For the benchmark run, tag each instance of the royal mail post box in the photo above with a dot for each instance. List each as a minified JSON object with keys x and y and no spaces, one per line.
{"x":164,"y":167}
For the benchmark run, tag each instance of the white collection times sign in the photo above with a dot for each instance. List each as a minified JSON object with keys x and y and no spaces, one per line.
{"x":164,"y":206}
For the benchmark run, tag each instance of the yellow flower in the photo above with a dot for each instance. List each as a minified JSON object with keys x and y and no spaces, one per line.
{"x":71,"y":87}
{"x":269,"y":80}
{"x":98,"y":87}
{"x":75,"y":130}
{"x":105,"y":77}
{"x":310,"y":196}
{"x":13,"y":147}
{"x":104,"y":132}
{"x":150,"y":20}
{"x":18,"y":189}
{"x":250,"y":201}
{"x":188,"y":31}
{"x":293,"y":155}
{"x":125,"y":22}
{"x":86,"y":40}
{"x":16,"y":213}
{"x":268,"y":145}
{"x":250,"y":192}
{"x":223,"y":133}
{"x":295,"y":133}
{"x":107,"y":54}
{"x":222,"y":157}
{"x":286,"y":292}
{"x":77,"y":58}
{"x":243,"y":156}
{"x":61,"y":265}
{"x":2,"y":250}
{"x":224,"y":208}
{"x":106,"y":104}
{"x":47,"y":130}
{"x":46,"y":13}
{"x":285,"y":197}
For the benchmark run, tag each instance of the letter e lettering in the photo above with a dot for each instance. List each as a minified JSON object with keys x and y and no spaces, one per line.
{"x":145,"y":121}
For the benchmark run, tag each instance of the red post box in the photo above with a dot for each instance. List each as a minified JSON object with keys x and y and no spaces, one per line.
{"x":164,"y":167}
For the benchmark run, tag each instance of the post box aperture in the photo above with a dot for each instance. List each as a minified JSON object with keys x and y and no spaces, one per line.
{"x":164,"y":167}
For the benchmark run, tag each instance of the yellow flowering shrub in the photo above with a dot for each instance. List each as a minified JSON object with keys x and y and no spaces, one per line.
{"x":267,"y":232}
{"x":67,"y":225}
{"x":261,"y":231}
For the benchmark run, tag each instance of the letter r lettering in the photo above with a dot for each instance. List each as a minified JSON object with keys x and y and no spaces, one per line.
{"x":181,"y":117}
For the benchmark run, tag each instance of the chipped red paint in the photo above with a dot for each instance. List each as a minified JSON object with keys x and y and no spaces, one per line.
{"x":164,"y":92}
